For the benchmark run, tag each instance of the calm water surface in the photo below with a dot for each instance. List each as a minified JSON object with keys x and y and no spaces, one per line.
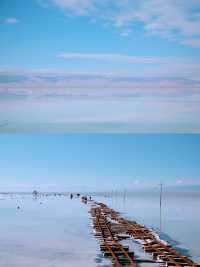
{"x":56,"y":231}
{"x":47,"y":232}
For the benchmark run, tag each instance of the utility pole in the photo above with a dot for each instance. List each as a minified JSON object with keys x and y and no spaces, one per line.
{"x":161,"y":192}
{"x":124,"y":194}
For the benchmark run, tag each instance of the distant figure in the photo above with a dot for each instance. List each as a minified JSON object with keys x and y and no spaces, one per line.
{"x":78,"y":195}
{"x":35,"y":193}
{"x":90,"y":198}
{"x":84,"y":199}
{"x":18,"y":207}
{"x":71,"y":196}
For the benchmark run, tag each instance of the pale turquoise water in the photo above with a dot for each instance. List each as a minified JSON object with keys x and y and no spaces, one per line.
{"x":56,"y":231}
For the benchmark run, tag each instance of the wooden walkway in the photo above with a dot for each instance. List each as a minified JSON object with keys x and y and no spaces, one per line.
{"x":151,"y":244}
{"x":109,"y":243}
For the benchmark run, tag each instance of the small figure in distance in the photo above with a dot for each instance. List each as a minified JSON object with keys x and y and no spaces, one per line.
{"x":84,"y":199}
{"x":71,"y":196}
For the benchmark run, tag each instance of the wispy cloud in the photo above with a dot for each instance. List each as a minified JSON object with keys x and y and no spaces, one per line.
{"x":11,"y":20}
{"x":38,"y":83}
{"x":79,"y":7}
{"x":60,"y":99}
{"x":186,"y":181}
{"x":114,"y":58}
{"x":177,"y":20}
{"x":139,"y":66}
{"x":192,"y":42}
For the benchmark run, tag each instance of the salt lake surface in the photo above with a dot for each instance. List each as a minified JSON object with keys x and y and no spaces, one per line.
{"x":55,"y":231}
{"x":47,"y":232}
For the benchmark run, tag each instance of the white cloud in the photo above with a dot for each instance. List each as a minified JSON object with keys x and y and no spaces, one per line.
{"x":114,"y":58}
{"x":80,"y":7}
{"x":192,"y":42}
{"x":170,"y":19}
{"x":188,"y":181}
{"x":54,"y":85}
{"x":11,"y":21}
{"x":138,"y":66}
{"x":144,"y":105}
{"x":176,"y":20}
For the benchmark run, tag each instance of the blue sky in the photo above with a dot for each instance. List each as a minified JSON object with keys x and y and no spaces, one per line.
{"x":98,"y":162}
{"x":128,"y":63}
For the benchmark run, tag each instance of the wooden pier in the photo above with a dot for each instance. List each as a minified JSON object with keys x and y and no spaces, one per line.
{"x":109,"y":242}
{"x":110,"y":228}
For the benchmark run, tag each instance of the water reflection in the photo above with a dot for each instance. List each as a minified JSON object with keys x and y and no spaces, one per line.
{"x":54,"y":230}
{"x":56,"y":233}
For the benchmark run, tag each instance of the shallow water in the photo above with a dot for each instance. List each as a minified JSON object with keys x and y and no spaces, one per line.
{"x":47,"y":232}
{"x":55,"y":231}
